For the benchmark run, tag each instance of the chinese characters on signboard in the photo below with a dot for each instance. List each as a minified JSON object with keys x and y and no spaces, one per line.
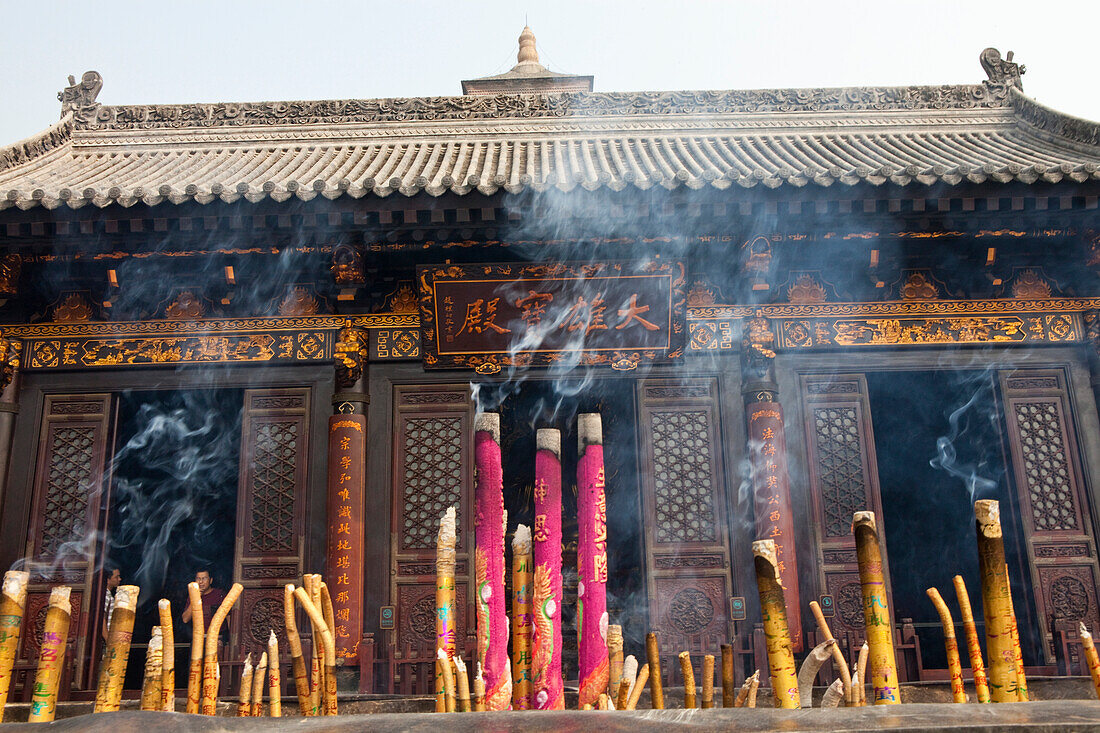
{"x":346,"y":482}
{"x":772,"y":501}
{"x":491,"y":316}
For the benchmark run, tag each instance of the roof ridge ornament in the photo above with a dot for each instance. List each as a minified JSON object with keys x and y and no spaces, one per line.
{"x":1002,"y":71}
{"x":79,"y":98}
{"x":528,"y":52}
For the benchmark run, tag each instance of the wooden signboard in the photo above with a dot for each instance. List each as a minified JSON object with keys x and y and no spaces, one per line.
{"x":490,"y":317}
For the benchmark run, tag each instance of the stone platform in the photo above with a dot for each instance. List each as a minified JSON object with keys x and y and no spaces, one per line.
{"x":1068,"y":716}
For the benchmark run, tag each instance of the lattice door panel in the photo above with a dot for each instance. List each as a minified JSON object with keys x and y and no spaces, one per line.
{"x":432,"y":470}
{"x":271,"y":509}
{"x":843,"y":480}
{"x":1046,"y":466}
{"x":684,"y":500}
{"x":69,"y":489}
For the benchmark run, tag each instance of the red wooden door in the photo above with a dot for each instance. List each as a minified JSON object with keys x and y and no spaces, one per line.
{"x":432,"y":470}
{"x":65,"y":534}
{"x":684,"y":500}
{"x":843,"y":480}
{"x":271,"y":508}
{"x":1061,"y":549}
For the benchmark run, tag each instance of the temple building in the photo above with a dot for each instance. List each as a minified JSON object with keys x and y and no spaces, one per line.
{"x":252,"y":338}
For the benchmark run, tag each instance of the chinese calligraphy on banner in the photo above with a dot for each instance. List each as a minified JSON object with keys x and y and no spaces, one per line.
{"x":491,"y":316}
{"x":772,"y":502}
{"x":346,"y":482}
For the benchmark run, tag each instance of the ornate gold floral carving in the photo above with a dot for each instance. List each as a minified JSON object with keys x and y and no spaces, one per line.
{"x":918,"y":286}
{"x":72,"y":309}
{"x":700,"y":295}
{"x":1029,"y":285}
{"x":347,"y":265}
{"x":186,"y":307}
{"x":806,"y":290}
{"x":404,"y":300}
{"x":298,"y":302}
{"x":11,"y":266}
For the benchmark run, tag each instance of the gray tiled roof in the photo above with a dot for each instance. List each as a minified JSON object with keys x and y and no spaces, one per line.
{"x":786,"y":137}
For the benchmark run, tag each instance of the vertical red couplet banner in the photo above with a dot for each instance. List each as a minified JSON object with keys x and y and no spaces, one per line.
{"x":772,"y":502}
{"x":346,"y":490}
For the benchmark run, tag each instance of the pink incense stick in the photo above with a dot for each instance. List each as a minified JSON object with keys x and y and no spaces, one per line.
{"x":548,"y":688}
{"x":591,"y":559}
{"x":492,"y":607}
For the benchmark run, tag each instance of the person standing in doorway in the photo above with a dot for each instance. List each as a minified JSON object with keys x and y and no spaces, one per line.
{"x":114,"y":577}
{"x":211,"y":597}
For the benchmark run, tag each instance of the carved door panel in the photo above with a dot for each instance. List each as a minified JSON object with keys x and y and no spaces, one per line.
{"x":432,"y":470}
{"x":64,"y":534}
{"x":271,"y":507}
{"x":843,"y":480}
{"x":684,"y":500}
{"x":1054,"y":514}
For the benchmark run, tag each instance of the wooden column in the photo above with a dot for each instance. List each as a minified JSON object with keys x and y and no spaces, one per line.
{"x":347,"y":452}
{"x":774,"y":517}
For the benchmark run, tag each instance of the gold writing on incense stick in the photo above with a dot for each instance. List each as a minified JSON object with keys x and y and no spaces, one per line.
{"x":600,"y":559}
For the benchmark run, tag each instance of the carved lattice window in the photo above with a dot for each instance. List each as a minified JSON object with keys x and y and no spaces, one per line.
{"x":682,"y":480}
{"x":65,"y":508}
{"x":1046,"y":465}
{"x":275,"y":454}
{"x":432,"y":474}
{"x":840,"y":467}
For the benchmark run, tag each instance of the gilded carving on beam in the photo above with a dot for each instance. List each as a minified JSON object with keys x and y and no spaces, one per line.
{"x":11,"y":266}
{"x":711,"y":335}
{"x":350,"y":355}
{"x":11,"y":351}
{"x":298,"y":302}
{"x":347,"y":266}
{"x":806,"y":290}
{"x":186,"y":307}
{"x":700,"y":295}
{"x":403,"y":300}
{"x":919,"y":286}
{"x":1048,"y":328}
{"x":243,"y":348}
{"x":73,"y":308}
{"x":1029,"y":285}
{"x":397,"y":343}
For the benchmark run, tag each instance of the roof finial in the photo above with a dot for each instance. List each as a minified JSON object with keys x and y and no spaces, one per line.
{"x":527,"y":52}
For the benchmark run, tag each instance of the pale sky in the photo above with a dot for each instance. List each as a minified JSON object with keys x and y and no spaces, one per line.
{"x":198,"y":50}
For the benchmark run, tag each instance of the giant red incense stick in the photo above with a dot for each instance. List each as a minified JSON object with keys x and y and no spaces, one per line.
{"x":549,"y":691}
{"x":492,"y":607}
{"x":591,"y":559}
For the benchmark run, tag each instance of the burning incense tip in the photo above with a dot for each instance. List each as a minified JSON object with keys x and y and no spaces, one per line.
{"x":766,"y":550}
{"x":589,"y":430}
{"x":126,"y":597}
{"x":59,"y":598}
{"x":15,"y":585}
{"x":864,"y":519}
{"x":447,"y":526}
{"x":988,"y":514}
{"x":548,"y":439}
{"x":521,"y":540}
{"x":488,"y":422}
